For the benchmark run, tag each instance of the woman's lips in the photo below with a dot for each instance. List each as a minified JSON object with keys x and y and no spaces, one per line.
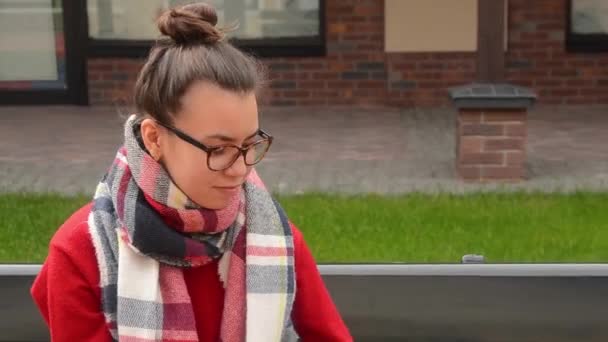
{"x":229,"y":189}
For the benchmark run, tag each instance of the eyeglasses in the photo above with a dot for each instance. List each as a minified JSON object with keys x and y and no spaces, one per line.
{"x":220,"y":158}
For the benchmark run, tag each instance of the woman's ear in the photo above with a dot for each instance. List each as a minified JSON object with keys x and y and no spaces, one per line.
{"x":150,"y":134}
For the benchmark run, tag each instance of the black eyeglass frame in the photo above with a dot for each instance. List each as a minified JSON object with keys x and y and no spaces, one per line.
{"x":210,"y":149}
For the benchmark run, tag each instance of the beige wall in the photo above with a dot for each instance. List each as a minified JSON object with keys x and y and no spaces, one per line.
{"x":431,"y":25}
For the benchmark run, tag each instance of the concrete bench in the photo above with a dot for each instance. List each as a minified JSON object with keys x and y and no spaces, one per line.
{"x":395,"y":302}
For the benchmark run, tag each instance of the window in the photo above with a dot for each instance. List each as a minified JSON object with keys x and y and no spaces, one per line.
{"x":587,"y":26}
{"x":40,"y":59}
{"x":268,"y":27}
{"x":32,"y":45}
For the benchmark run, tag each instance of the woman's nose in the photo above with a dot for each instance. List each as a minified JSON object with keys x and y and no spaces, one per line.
{"x":238,"y":168}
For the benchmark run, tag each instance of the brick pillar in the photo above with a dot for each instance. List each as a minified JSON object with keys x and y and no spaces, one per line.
{"x":491,"y":132}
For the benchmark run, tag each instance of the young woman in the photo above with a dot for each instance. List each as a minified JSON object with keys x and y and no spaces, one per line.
{"x":182,"y":241}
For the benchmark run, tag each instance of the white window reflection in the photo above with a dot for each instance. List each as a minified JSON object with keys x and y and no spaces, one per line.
{"x":31,"y":43}
{"x":134,"y":19}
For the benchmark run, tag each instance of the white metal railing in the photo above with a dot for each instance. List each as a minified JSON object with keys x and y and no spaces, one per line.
{"x":483,"y":270}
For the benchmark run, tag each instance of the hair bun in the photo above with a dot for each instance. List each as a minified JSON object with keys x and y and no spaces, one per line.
{"x":191,"y":24}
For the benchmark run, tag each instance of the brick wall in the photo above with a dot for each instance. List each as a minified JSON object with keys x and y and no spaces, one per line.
{"x":354,"y":70}
{"x":491,"y":144}
{"x":357,"y":71}
{"x":111,"y":80}
{"x":537,"y":56}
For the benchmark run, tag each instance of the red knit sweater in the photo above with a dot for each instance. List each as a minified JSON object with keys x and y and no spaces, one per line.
{"x":68,"y":295}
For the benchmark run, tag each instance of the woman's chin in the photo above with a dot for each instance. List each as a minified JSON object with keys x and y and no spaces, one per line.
{"x":219,"y":200}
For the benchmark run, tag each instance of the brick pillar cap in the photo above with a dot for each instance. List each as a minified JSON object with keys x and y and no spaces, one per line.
{"x":491,"y":95}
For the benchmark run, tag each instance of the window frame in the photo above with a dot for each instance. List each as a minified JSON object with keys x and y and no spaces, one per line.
{"x":305,"y":46}
{"x":577,"y":42}
{"x":76,"y":91}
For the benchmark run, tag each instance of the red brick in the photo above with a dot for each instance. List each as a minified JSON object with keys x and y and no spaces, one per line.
{"x":362,"y":36}
{"x":285,"y":84}
{"x":337,"y":27}
{"x":470,"y":145}
{"x":402,"y":65}
{"x":128,"y":65}
{"x":504,"y":116}
{"x":361,"y":93}
{"x":342,"y":101}
{"x":282,"y":102}
{"x":430,"y":84}
{"x":564,"y":92}
{"x":553,"y":100}
{"x":340,"y":66}
{"x":456,"y":65}
{"x":549,"y":44}
{"x":345,"y":93}
{"x":483,"y":158}
{"x":324,"y":93}
{"x":593,"y":91}
{"x":105,"y":85}
{"x":339,"y":7}
{"x":95,"y":66}
{"x":579,"y":101}
{"x":537,"y":73}
{"x":469,"y":173}
{"x":564,"y":72}
{"x":579,"y":83}
{"x":503,"y":144}
{"x":516,"y":130}
{"x":95,"y":76}
{"x":372,"y":84}
{"x":534,"y":36}
{"x":431,"y":65}
{"x":339,"y":85}
{"x":450,"y":56}
{"x":515,"y":158}
{"x":522,"y":82}
{"x":311,"y":84}
{"x":589,"y":72}
{"x":311,"y":101}
{"x":288,"y":76}
{"x":549,"y":82}
{"x":303,"y":75}
{"x":458,"y":75}
{"x":502,"y":173}
{"x":521,"y":45}
{"x":470,"y":116}
{"x":369,"y":46}
{"x":579,"y":63}
{"x":554,"y":64}
{"x":551,"y":26}
{"x":324,"y":75}
{"x":311,"y":66}
{"x":427,"y":75}
{"x":481,"y":129}
{"x":296,"y":93}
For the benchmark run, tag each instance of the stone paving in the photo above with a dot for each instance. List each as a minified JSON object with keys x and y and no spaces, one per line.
{"x":350,"y":150}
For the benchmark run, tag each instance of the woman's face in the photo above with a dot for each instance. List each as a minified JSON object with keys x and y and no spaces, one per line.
{"x":214,"y":117}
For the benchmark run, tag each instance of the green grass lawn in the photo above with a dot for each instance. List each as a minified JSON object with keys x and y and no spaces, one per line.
{"x":505,"y":227}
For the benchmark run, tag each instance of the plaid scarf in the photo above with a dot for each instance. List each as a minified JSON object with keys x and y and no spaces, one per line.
{"x":145,"y":231}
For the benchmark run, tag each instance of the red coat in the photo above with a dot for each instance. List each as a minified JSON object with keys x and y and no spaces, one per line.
{"x":68,"y":295}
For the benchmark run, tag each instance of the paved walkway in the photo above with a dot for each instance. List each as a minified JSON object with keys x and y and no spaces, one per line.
{"x":381,"y":150}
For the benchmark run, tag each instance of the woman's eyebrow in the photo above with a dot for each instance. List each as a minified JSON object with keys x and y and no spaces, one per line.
{"x":226,"y":138}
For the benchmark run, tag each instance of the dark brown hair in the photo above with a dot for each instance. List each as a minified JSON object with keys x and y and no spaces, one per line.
{"x":194,"y":49}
